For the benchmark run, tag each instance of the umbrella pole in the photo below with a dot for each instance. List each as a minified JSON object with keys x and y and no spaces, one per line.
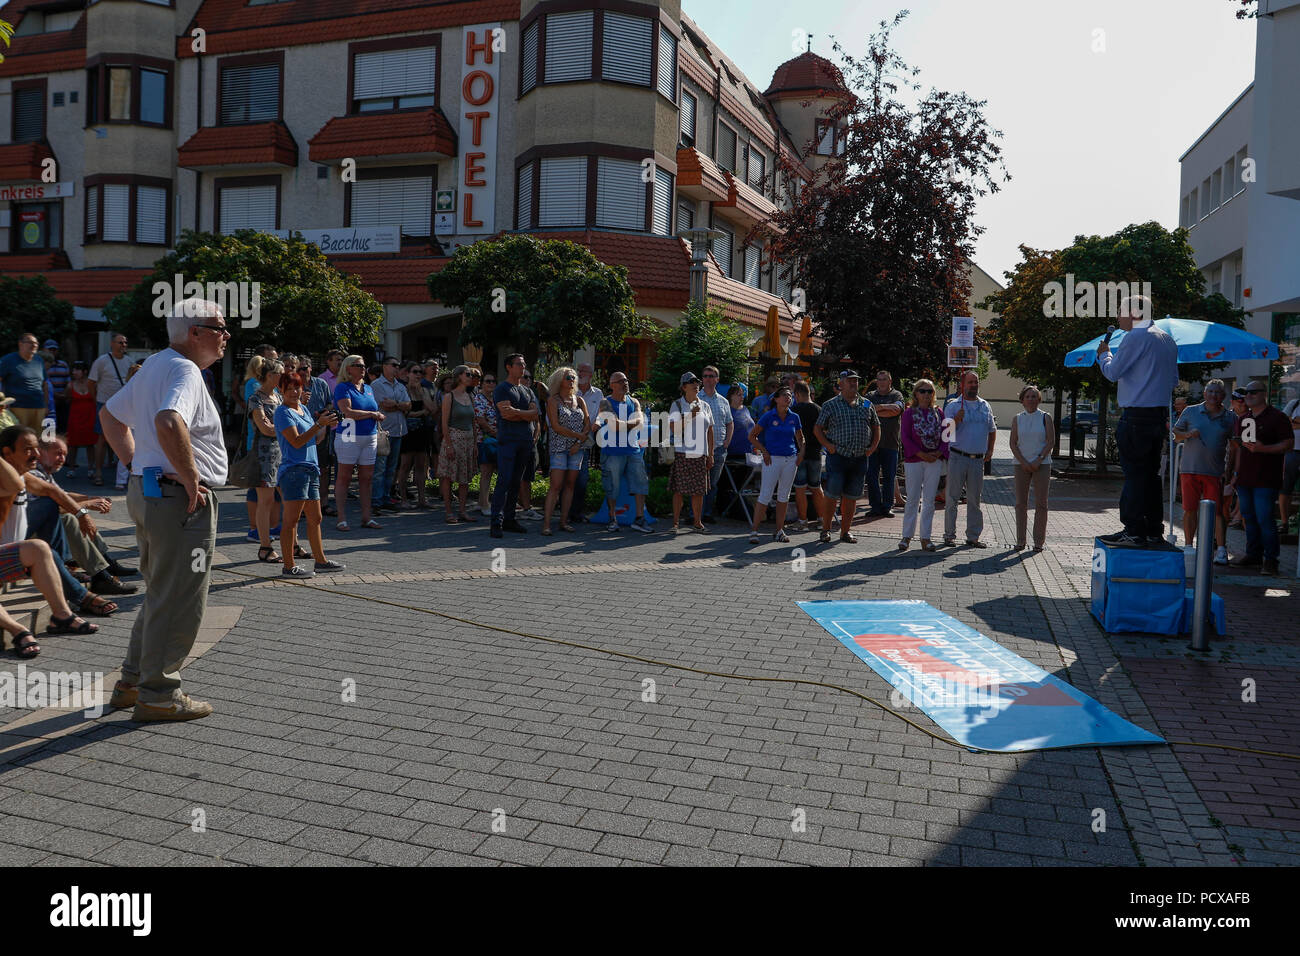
{"x":1173,"y":474}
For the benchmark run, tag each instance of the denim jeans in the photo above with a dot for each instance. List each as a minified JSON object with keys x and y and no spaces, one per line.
{"x":1140,"y":435}
{"x":1257,"y":515}
{"x":882,"y":467}
{"x":512,"y":456}
{"x":385,"y":472}
{"x":43,"y":522}
{"x":715,"y":476}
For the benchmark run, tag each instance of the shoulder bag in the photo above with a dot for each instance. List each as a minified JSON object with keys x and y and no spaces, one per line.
{"x":245,"y":471}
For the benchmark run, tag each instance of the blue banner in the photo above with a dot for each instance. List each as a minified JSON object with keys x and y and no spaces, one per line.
{"x":981,"y":694}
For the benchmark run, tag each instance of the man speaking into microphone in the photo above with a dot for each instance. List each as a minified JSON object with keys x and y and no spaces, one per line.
{"x":1145,"y":369}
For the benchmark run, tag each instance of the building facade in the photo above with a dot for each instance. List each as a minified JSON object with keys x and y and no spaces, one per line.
{"x":1240,"y":197}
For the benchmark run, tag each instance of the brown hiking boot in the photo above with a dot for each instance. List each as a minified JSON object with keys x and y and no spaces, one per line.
{"x":178,"y":708}
{"x":124,"y":695}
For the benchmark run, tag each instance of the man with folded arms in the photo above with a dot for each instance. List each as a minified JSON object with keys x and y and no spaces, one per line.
{"x":1259,"y":444}
{"x":166,"y":425}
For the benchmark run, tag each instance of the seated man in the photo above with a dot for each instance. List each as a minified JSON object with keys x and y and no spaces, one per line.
{"x":20,"y":559}
{"x":18,"y":447}
{"x":81,"y":541}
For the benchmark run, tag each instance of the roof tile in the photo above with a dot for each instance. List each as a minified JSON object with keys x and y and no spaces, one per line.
{"x":42,"y":52}
{"x":425,"y":130}
{"x":20,"y":162}
{"x":261,"y":144}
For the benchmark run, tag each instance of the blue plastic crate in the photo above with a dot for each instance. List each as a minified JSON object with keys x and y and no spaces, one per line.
{"x":1138,"y":589}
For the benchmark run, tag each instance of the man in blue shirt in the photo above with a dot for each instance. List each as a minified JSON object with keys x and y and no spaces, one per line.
{"x":1145,"y":370}
{"x":975,"y":432}
{"x":517,"y":410}
{"x":22,"y":378}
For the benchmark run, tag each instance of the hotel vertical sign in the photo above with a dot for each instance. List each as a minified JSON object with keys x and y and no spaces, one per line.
{"x":484,"y":45}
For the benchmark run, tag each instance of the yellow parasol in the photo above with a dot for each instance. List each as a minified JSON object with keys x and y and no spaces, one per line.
{"x":805,"y":342}
{"x":772,"y":337}
{"x":472,"y":354}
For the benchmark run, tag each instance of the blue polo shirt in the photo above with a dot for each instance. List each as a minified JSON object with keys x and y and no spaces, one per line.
{"x":778,"y":434}
{"x":363,"y":400}
{"x":23,"y":381}
{"x":1204,"y":454}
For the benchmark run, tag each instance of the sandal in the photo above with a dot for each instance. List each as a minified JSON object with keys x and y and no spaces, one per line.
{"x":70,"y":625}
{"x":267,"y":553}
{"x":566,"y":527}
{"x":342,"y":526}
{"x":97,"y":480}
{"x":298,"y":552}
{"x":548,"y":532}
{"x":96,"y":605}
{"x":468,"y":517}
{"x":372,"y":523}
{"x":452,"y":519}
{"x":25,"y":645}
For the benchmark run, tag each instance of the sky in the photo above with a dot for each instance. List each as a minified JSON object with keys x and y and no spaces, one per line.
{"x":1091,"y":137}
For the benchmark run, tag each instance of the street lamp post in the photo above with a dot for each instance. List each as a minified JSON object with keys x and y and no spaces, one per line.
{"x":699,"y":238}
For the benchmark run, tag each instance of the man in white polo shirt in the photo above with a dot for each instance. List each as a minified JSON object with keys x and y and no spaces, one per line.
{"x":165,"y":424}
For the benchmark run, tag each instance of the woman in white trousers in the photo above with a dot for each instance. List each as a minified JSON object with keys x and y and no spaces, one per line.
{"x":924,"y":451}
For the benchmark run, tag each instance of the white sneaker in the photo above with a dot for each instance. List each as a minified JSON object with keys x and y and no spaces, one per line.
{"x":1221,"y":556}
{"x":532,"y":514}
{"x":641,"y":525}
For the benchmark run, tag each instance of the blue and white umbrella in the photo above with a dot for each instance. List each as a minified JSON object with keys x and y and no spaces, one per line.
{"x":1198,"y":341}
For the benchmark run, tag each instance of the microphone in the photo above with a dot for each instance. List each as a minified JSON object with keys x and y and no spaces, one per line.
{"x":1110,"y":330}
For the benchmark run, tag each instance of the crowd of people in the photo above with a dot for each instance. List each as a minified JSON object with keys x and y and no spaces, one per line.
{"x":303,"y":438}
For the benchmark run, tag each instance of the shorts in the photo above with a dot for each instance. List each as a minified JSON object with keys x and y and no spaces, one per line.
{"x":11,"y":565}
{"x":300,"y":483}
{"x":487,"y":451}
{"x":1290,"y":471}
{"x":566,"y":461}
{"x":359,"y":452}
{"x":1197,"y":487}
{"x":845,"y":476}
{"x":809,"y":473}
{"x":778,"y":478}
{"x":616,"y":467}
{"x":252,"y":494}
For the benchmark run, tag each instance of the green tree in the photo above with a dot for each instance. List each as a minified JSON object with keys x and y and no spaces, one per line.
{"x":705,"y":336}
{"x":30,"y":305}
{"x":305,"y":303}
{"x":537,"y":295}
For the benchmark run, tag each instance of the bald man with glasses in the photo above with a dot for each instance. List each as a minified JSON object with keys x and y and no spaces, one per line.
{"x":22,"y":378}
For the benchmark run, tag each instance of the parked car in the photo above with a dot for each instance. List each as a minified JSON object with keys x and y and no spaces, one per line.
{"x":1087,"y":422}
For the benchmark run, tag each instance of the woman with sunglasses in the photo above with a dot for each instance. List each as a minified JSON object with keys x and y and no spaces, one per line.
{"x":414,"y":459}
{"x":924,"y":452}
{"x":778,"y":437}
{"x":355,"y":440}
{"x":485,"y":415}
{"x":570,"y":424}
{"x":299,"y":475}
{"x":458,"y":454}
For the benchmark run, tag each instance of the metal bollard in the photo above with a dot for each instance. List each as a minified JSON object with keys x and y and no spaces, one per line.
{"x":1204,"y":575}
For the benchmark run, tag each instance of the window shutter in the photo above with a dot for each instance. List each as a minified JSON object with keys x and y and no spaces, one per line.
{"x":530,"y":57}
{"x":620,"y":194}
{"x":722,"y":249}
{"x":525,"y":210}
{"x":29,"y":115}
{"x":626,"y":48}
{"x":687,"y":119}
{"x":727,"y":147}
{"x":685,"y":215}
{"x":568,"y":46}
{"x":783,"y":283}
{"x":563,"y":199}
{"x":667,"y":63}
{"x":405,"y":202}
{"x":752,"y":256}
{"x":151,"y":214}
{"x":757,"y":167}
{"x":92,"y":210}
{"x":411,"y":72}
{"x":117,"y":213}
{"x":663,"y":211}
{"x":250,"y":94}
{"x":247,"y":207}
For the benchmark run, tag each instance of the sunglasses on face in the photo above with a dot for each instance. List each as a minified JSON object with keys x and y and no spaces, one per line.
{"x":925,"y":391}
{"x":1255,"y":391}
{"x":215,"y":328}
{"x":357,"y":365}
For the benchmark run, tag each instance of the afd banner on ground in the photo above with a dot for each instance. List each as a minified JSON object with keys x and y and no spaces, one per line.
{"x":980,"y":693}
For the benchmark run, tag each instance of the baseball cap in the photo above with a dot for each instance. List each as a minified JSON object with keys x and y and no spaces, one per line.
{"x":687,"y":378}
{"x":849,"y":373}
{"x":1239,"y":393}
{"x":50,"y":344}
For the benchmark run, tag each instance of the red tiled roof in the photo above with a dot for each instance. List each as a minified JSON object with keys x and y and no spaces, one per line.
{"x":807,"y":73}
{"x":42,"y":52}
{"x":399,"y":278}
{"x":33,"y":262}
{"x":249,"y":144}
{"x":91,"y":288}
{"x":746,"y":304}
{"x":425,"y":130}
{"x":658,"y":267}
{"x":696,"y":169}
{"x":749,"y":202}
{"x":20,"y":162}
{"x":234,"y":26}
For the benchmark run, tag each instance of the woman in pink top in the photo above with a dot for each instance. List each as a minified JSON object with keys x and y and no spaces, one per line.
{"x":924,"y":452}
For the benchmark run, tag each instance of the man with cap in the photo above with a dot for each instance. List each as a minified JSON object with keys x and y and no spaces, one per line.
{"x":1145,"y":371}
{"x":58,"y":373}
{"x":849,"y":429}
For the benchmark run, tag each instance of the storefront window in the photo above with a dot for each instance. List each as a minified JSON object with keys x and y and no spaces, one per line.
{"x":37,"y":226}
{"x":1286,"y":333}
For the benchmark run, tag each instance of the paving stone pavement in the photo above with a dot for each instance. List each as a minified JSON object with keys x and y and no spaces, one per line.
{"x":358,"y":733}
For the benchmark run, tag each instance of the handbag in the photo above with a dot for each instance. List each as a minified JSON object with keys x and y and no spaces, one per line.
{"x":245,"y":471}
{"x":384,"y":446}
